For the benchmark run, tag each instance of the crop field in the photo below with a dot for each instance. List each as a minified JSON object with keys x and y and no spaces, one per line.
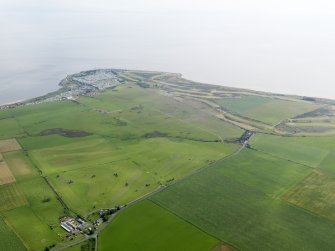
{"x":310,"y":151}
{"x":31,"y":228}
{"x":6,"y":176}
{"x":19,"y":165}
{"x":29,"y":202}
{"x":8,"y":145}
{"x":268,"y":110}
{"x":149,"y":227}
{"x":8,"y":239}
{"x":239,"y":202}
{"x":327,"y":164}
{"x":123,"y":170}
{"x":11,"y":197}
{"x":316,"y":194}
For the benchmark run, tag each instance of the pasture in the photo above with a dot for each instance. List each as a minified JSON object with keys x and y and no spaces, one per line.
{"x":9,"y":128}
{"x":124,"y":170}
{"x":149,"y":227}
{"x":268,"y":110}
{"x":128,"y":112}
{"x":239,"y":201}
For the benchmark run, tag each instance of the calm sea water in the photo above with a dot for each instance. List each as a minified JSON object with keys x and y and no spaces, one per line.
{"x":283,"y":52}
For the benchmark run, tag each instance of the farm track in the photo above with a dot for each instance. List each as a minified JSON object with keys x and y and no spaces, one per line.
{"x":146,"y":196}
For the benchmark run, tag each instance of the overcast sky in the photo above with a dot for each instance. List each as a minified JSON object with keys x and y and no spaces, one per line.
{"x":285,"y":46}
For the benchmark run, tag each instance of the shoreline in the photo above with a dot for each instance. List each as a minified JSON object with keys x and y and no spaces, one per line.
{"x":14,"y":102}
{"x":23,"y":100}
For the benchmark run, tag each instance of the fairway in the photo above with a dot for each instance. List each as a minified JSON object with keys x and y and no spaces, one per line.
{"x":242,"y":195}
{"x":265,"y":109}
{"x":316,"y":194}
{"x":151,"y":228}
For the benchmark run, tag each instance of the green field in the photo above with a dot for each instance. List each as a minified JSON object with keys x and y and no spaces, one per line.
{"x":311,"y":151}
{"x":240,"y":202}
{"x":31,"y":228}
{"x":141,"y":166}
{"x":88,"y":245}
{"x":128,"y":112}
{"x":147,"y":226}
{"x":27,"y":214}
{"x":316,"y":194}
{"x":8,"y":239}
{"x":9,"y":128}
{"x":265,"y":109}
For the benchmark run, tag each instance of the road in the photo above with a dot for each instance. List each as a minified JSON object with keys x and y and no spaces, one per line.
{"x":161,"y":188}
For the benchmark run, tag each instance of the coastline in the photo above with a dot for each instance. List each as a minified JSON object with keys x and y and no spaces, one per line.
{"x":14,"y":102}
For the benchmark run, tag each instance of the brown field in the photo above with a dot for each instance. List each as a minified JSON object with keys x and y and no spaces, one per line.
{"x":223,"y":247}
{"x":17,"y":164}
{"x":6,"y":176}
{"x":11,"y":197}
{"x":9,"y":145}
{"x":316,"y":194}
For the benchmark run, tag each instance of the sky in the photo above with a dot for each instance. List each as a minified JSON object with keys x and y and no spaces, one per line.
{"x":285,"y":46}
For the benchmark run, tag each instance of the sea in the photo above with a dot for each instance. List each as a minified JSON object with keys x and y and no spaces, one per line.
{"x":284,"y":52}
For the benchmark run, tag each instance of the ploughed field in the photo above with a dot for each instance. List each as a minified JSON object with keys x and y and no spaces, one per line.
{"x":169,"y":154}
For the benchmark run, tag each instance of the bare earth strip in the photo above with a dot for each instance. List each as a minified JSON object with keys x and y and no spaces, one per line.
{"x":6,"y":176}
{"x":223,"y":247}
{"x":11,"y":197}
{"x":9,"y":145}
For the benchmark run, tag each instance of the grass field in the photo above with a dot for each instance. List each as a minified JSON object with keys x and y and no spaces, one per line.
{"x":239,"y":201}
{"x":147,"y":226}
{"x":8,"y":239}
{"x":141,"y":166}
{"x":316,"y":194}
{"x":9,"y":128}
{"x":127,"y":112}
{"x":268,"y":110}
{"x":31,"y":228}
{"x":311,"y":151}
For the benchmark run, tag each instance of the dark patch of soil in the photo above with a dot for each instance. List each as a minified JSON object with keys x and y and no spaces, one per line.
{"x":65,"y":133}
